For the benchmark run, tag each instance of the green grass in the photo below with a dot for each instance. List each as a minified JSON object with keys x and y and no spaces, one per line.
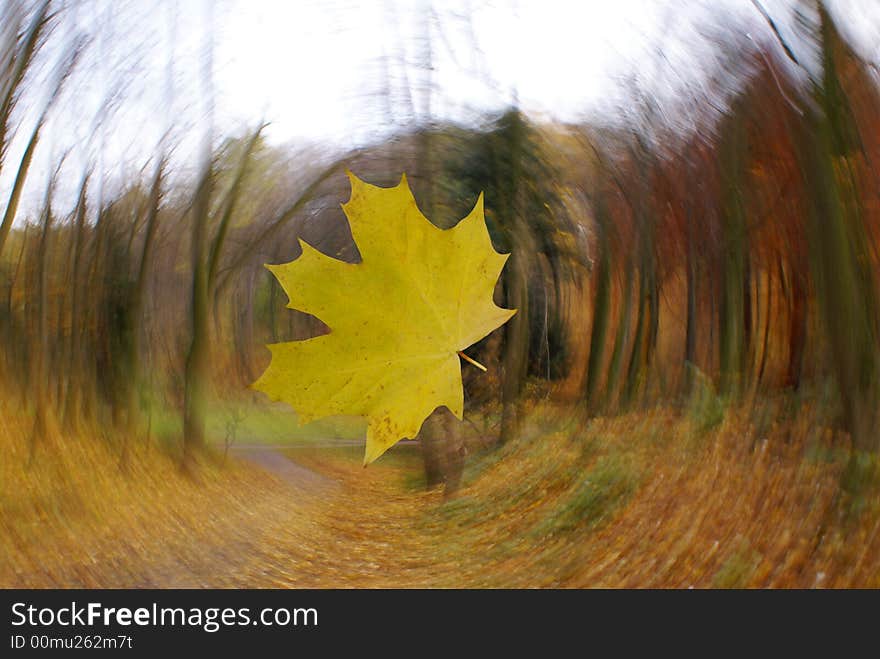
{"x":706,"y":408}
{"x":736,"y":571}
{"x":604,"y":490}
{"x":247,"y":423}
{"x":476,"y":465}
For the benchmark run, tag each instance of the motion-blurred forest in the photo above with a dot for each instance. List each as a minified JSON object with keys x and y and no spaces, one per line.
{"x":687,"y":396}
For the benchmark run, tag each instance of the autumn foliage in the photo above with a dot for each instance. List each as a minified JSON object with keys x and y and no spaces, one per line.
{"x":690,"y":381}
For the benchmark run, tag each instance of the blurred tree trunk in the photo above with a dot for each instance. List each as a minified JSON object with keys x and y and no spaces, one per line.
{"x":747,"y":319}
{"x":653,"y":326}
{"x":17,"y":51}
{"x":441,"y":437}
{"x":12,"y":334}
{"x":601,"y":305}
{"x":691,"y":265}
{"x":839,"y":244}
{"x":195,"y":370}
{"x":134,"y":311}
{"x":645,"y":332}
{"x":621,"y":340}
{"x":198,"y":354}
{"x":846,"y":293}
{"x":18,"y":185}
{"x":637,"y":353}
{"x":515,"y":355}
{"x":797,"y":328}
{"x":71,"y":412}
{"x":39,"y":349}
{"x":768,"y":322}
{"x":509,"y":153}
{"x":92,"y":314}
{"x":734,"y":270}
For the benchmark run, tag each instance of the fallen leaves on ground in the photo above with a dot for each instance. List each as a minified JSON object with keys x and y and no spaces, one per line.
{"x":634,"y":501}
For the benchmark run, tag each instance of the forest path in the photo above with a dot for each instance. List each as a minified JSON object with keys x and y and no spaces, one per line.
{"x":275,"y":460}
{"x":234,"y":540}
{"x":314,"y":519}
{"x":344,"y":526}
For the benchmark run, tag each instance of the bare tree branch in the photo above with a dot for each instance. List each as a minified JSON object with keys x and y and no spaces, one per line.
{"x":782,"y":42}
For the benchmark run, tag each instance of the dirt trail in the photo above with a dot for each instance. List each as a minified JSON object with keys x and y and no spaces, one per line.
{"x":273,"y":460}
{"x":233,"y":543}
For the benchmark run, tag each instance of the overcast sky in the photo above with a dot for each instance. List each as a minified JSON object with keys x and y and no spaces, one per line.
{"x":345,"y":71}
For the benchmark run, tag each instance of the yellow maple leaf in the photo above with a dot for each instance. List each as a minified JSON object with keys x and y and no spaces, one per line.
{"x":397,"y":319}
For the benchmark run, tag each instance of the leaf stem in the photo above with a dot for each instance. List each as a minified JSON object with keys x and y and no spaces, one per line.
{"x":472,"y":361}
